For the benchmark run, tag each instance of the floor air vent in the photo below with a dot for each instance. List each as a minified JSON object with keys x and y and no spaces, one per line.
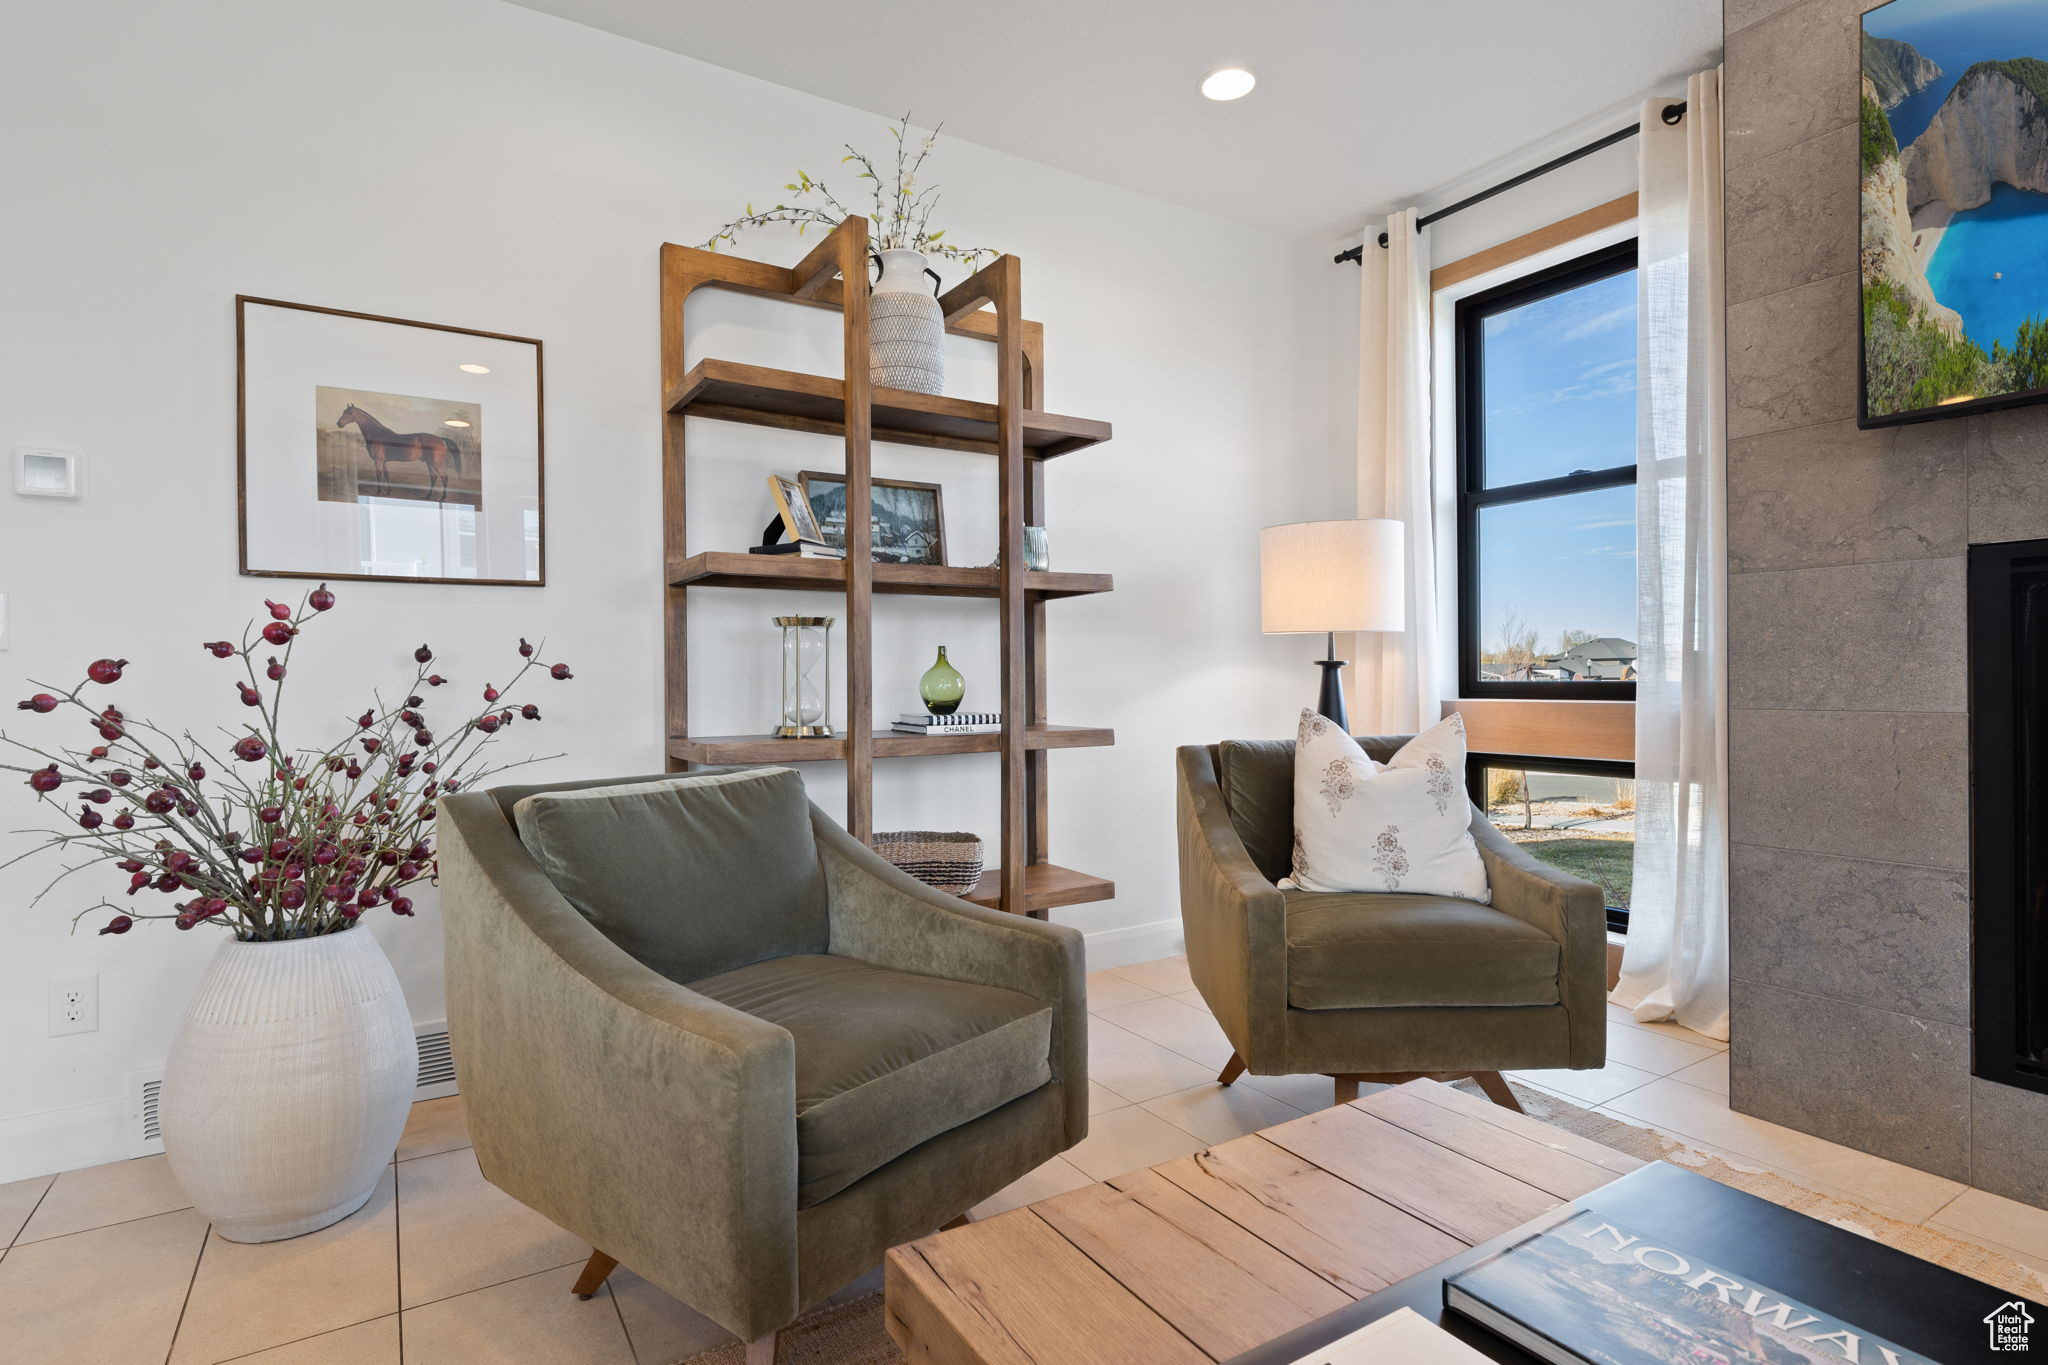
{"x":437,"y":1063}
{"x":145,"y":1088}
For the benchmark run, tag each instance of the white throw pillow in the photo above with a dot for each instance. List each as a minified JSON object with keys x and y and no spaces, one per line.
{"x":1401,"y":826}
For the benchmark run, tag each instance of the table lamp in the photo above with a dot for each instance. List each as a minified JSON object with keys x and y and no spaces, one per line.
{"x":1320,"y":577}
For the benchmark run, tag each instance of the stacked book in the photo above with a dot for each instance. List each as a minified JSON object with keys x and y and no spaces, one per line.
{"x":958,"y":723}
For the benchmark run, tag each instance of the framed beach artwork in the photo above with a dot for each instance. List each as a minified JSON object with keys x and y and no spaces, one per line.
{"x":374,"y":447}
{"x":1954,"y":168}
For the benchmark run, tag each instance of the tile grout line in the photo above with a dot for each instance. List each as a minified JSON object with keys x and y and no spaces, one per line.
{"x":1858,"y":1004}
{"x":398,"y":1250}
{"x":494,"y":1284}
{"x":1710,"y":1045}
{"x":15,"y":1240}
{"x":185,"y":1304}
{"x":624,"y":1331}
{"x":346,"y":1327}
{"x":1944,"y":1208}
{"x":118,"y":1222}
{"x":1846,"y":857}
{"x":1852,"y":564}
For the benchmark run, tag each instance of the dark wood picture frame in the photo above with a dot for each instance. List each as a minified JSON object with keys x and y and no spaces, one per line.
{"x":938,"y":506}
{"x":242,"y":303}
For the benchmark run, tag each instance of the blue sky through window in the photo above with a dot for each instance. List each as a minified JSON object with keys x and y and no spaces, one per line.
{"x":1559,"y":397}
{"x":1560,"y":378}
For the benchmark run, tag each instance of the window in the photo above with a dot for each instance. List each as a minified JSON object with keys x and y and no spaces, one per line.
{"x":1578,"y":816}
{"x":1546,"y":393}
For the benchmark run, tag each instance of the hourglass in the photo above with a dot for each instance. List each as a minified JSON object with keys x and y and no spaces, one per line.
{"x":806,"y":676}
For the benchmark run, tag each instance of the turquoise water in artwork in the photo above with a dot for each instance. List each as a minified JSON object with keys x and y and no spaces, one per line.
{"x":1954,"y":34}
{"x":2007,"y":236}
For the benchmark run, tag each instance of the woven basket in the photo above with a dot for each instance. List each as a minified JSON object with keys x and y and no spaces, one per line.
{"x":948,"y":862}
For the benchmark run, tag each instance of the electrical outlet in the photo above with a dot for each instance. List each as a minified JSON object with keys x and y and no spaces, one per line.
{"x":74,"y":1005}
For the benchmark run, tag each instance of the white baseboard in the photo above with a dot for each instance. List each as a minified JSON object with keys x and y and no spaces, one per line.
{"x":80,"y":1135}
{"x":66,"y":1139}
{"x":1134,"y":943}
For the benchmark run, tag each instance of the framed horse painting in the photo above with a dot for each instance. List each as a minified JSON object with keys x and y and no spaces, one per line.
{"x":374,"y":447}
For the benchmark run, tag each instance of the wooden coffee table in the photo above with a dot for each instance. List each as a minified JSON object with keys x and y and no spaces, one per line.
{"x":1204,"y":1257}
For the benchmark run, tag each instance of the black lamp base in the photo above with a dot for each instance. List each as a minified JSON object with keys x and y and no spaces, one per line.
{"x":1330,"y":699}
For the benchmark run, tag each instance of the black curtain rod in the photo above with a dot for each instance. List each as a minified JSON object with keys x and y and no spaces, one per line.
{"x":1672,"y":114}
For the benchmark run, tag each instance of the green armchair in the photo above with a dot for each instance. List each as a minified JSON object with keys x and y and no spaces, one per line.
{"x":734,"y":1049}
{"x":1378,"y":987}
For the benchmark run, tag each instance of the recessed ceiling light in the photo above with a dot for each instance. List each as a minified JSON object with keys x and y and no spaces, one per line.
{"x":454,"y":422}
{"x":1231,"y":83}
{"x":475,"y":369}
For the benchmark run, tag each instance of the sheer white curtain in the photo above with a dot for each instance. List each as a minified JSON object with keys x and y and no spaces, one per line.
{"x":1395,"y":686}
{"x":1676,"y":964}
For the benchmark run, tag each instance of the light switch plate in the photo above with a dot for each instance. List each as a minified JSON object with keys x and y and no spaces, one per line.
{"x":43,"y":473}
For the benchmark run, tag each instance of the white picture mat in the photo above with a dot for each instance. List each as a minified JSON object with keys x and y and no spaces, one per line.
{"x":289,"y":352}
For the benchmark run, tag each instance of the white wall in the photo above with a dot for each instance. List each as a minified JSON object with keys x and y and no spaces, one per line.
{"x":467,"y":162}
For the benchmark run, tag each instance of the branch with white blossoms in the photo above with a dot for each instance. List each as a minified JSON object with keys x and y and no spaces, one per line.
{"x":900,"y":219}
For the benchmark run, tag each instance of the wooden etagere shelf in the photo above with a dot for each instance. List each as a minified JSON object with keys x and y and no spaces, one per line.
{"x":1014,"y":430}
{"x":726,"y":569}
{"x":763,"y":397}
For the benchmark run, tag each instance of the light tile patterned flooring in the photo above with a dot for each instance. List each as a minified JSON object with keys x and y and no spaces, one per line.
{"x":109,"y":1266}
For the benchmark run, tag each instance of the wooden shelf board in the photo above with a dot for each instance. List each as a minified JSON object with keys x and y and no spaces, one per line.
{"x":760,"y":396}
{"x":738,"y":569}
{"x":1046,"y":885}
{"x":888,"y":744}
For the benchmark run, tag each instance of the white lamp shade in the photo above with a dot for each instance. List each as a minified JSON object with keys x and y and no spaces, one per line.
{"x":1317,"y":576}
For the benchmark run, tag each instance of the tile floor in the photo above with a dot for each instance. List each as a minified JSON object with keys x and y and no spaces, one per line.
{"x":109,"y":1266}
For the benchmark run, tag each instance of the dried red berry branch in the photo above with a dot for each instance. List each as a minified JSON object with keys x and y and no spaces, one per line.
{"x":267,"y":841}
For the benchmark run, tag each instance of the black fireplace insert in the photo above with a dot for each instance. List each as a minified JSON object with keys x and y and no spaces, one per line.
{"x":2008,"y":604}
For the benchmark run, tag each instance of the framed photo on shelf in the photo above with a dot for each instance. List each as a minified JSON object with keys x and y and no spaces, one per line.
{"x":908,"y":517}
{"x":793,"y":503}
{"x":369,"y":447}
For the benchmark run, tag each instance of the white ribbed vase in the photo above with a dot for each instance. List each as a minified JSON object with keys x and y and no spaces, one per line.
{"x":906,"y":330}
{"x":288,"y":1084}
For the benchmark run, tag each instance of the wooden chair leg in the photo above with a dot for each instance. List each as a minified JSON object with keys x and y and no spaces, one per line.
{"x":594,"y":1271}
{"x":761,"y":1350}
{"x":1347,"y":1088}
{"x":1496,"y":1088}
{"x":1232,"y":1069}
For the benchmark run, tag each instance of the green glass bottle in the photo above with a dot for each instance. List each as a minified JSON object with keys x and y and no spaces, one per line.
{"x":942,"y":687}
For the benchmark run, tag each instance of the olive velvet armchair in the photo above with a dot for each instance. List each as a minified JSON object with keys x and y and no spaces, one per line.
{"x":1377,"y":986}
{"x":703,"y":1028}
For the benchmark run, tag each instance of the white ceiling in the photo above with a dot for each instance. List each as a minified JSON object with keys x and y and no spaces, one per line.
{"x":1362,"y":105}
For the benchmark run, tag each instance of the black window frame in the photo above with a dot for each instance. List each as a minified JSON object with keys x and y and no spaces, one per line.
{"x":1476,"y":765}
{"x":1474,"y":495}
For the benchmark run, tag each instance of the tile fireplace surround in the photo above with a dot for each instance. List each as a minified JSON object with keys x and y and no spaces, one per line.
{"x":1848,"y":656}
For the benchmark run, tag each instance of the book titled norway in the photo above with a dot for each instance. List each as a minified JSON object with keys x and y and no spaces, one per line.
{"x":1592,"y":1292}
{"x":1714,"y":1276}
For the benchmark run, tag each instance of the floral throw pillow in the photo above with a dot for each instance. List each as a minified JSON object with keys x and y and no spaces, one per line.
{"x":1399,"y":826}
